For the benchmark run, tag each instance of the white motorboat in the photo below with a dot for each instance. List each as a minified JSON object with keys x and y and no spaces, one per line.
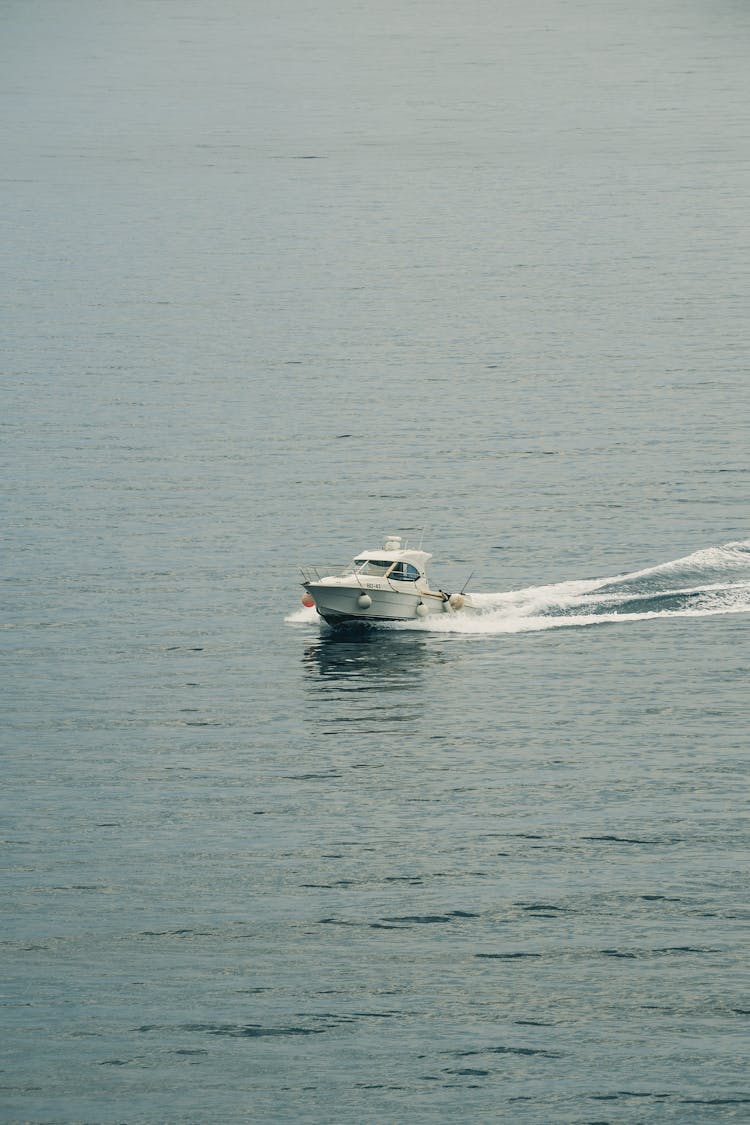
{"x":387,"y":584}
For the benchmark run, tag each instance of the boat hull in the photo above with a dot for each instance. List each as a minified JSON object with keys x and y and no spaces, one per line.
{"x":338,"y":604}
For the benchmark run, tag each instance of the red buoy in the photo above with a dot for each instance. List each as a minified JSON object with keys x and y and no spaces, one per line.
{"x":308,"y":600}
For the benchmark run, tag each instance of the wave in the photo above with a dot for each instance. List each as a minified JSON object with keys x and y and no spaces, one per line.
{"x":712,"y":581}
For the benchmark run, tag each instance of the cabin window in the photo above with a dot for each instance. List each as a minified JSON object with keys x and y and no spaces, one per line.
{"x":404,"y":572}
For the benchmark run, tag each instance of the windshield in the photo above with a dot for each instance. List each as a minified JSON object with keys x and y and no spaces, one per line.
{"x":376,"y":567}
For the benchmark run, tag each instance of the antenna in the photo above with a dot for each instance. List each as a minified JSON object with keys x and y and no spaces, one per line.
{"x":421,"y":538}
{"x":468,"y":580}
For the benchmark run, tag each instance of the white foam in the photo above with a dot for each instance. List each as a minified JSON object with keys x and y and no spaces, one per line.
{"x":303,"y":616}
{"x":499,"y":621}
{"x":731,"y":556}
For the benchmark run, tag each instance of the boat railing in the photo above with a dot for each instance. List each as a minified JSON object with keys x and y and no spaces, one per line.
{"x":315,"y":573}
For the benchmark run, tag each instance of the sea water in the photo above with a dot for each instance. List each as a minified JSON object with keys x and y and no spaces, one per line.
{"x":281,"y":279}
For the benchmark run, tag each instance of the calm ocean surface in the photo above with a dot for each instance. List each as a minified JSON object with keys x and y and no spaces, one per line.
{"x":280,"y":278}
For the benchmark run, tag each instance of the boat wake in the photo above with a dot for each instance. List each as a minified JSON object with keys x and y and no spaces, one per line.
{"x":710,"y":582}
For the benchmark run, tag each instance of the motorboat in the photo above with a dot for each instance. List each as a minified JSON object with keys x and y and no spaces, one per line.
{"x":384,"y":584}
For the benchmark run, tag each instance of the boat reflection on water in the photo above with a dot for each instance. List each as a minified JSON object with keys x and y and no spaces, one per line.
{"x":363,"y":680}
{"x":363,"y":657}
